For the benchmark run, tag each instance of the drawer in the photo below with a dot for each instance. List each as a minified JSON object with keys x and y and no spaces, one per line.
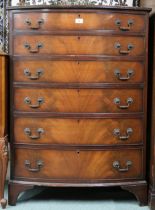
{"x":78,"y":131}
{"x":78,"y":100}
{"x":78,"y":164}
{"x":44,"y":21}
{"x":78,"y":71}
{"x":75,"y":45}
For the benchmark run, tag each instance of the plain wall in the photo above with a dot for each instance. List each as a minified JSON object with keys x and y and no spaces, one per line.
{"x":148,"y":3}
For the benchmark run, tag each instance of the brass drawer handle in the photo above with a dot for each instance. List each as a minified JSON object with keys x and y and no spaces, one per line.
{"x":39,"y":165}
{"x":130,"y":73}
{"x":129,"y":101}
{"x":117,"y":166}
{"x":38,"y":74}
{"x":124,"y":52}
{"x":124,"y":28}
{"x":117,"y":133}
{"x":28,"y":132}
{"x":33,"y":50}
{"x":32,"y":26}
{"x":40,"y":101}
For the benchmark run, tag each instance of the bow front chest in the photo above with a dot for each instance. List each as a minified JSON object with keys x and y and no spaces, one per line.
{"x":78,"y":98}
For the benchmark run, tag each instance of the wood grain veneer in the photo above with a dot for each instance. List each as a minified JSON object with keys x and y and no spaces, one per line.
{"x":73,"y":100}
{"x":3,"y":126}
{"x":66,"y":21}
{"x":79,"y":100}
{"x":72,"y":131}
{"x":78,"y":71}
{"x":62,"y":45}
{"x":78,"y":164}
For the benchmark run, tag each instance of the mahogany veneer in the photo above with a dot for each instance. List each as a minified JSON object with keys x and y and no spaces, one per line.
{"x":87,"y":45}
{"x":3,"y":126}
{"x":73,"y":131}
{"x":66,"y":21}
{"x":78,"y":98}
{"x":78,"y":164}
{"x":77,"y":71}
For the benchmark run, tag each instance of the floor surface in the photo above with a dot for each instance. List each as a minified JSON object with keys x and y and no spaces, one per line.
{"x":76,"y":199}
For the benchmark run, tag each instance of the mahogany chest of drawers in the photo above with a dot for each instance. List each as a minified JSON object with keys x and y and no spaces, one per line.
{"x":78,"y":98}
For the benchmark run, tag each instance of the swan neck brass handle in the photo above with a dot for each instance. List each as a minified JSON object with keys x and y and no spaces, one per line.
{"x":36,"y":76}
{"x":35,"y":26}
{"x":40,"y":101}
{"x":124,"y":52}
{"x":129,"y":101}
{"x":130,"y":73}
{"x":28,"y":132}
{"x":117,"y":166}
{"x":39,"y":165}
{"x":124,"y":28}
{"x":35,"y":49}
{"x":117,"y":133}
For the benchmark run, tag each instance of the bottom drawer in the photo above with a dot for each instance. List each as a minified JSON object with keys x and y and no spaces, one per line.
{"x":78,"y":164}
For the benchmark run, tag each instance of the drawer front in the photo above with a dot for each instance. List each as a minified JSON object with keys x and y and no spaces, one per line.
{"x":78,"y":131}
{"x":89,"y":45}
{"x":78,"y":100}
{"x":58,"y":164}
{"x":78,"y":71}
{"x":79,"y":21}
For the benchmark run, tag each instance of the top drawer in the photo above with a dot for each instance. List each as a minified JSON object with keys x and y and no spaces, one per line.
{"x":47,"y":21}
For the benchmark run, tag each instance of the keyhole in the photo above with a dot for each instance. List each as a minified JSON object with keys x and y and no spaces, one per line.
{"x":79,"y":37}
{"x":78,"y":121}
{"x":79,"y":15}
{"x":78,"y":152}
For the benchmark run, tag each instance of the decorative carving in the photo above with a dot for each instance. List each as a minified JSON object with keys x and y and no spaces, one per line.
{"x":4,"y":146}
{"x":136,"y":3}
{"x":76,"y":2}
{"x":3,"y":168}
{"x":2,"y":24}
{"x":21,"y":2}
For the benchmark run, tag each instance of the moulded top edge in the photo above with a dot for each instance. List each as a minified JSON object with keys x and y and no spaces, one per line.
{"x":78,"y":7}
